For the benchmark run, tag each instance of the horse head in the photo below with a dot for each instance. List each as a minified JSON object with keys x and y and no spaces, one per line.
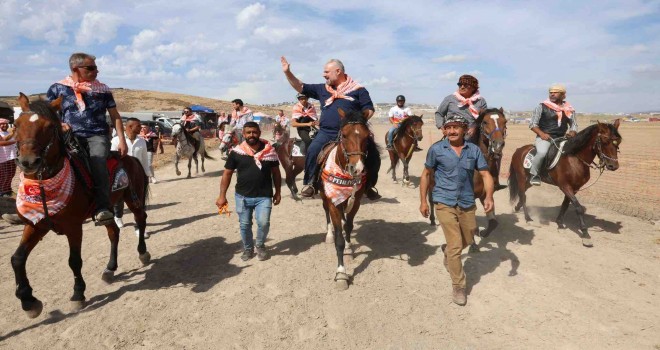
{"x":607,"y":144}
{"x":227,"y":138}
{"x":38,"y":135}
{"x":177,"y":130}
{"x":412,"y":126}
{"x":280,"y":133}
{"x":492,"y":124}
{"x":353,"y":137}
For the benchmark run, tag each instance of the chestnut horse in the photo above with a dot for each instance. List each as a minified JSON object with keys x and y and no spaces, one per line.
{"x":489,"y":136}
{"x":293,"y":165}
{"x":42,"y":155}
{"x":350,"y":153}
{"x":572,"y":170}
{"x":407,"y":136}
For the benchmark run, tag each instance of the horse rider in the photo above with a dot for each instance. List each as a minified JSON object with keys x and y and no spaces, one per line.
{"x":240,"y":115}
{"x":137,"y":147}
{"x":452,"y":162}
{"x":551,"y":119}
{"x":192,"y":122}
{"x":258,"y":170}
{"x":303,"y":118}
{"x":339,"y":91}
{"x":281,"y":119}
{"x":398,"y":114}
{"x":85,"y":101}
{"x":223,"y":119}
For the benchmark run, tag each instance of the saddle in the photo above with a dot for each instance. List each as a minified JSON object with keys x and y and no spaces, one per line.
{"x":117,"y":175}
{"x":551,"y":159}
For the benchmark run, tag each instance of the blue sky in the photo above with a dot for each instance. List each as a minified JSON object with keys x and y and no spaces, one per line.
{"x":606,"y":52}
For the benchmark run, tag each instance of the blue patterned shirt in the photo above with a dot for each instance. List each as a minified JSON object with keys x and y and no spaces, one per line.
{"x":92,"y":120}
{"x":454,"y":184}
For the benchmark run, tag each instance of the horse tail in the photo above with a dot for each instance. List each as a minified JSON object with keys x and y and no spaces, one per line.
{"x":147,"y":193}
{"x":514,"y":191}
{"x":206,"y":155}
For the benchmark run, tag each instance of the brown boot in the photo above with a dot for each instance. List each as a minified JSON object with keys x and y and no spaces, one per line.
{"x":459,"y":296}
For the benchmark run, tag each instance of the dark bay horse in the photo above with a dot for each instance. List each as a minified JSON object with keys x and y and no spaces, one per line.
{"x":407,"y":136}
{"x":293,"y":165}
{"x":42,"y":155}
{"x":342,"y":183}
{"x":572,"y":171}
{"x":489,"y":136}
{"x":187,"y":146}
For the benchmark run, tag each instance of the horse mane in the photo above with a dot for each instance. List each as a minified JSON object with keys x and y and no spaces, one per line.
{"x":407,"y":122}
{"x":43,"y":108}
{"x":577,"y":143}
{"x":475,"y":137}
{"x":353,"y":117}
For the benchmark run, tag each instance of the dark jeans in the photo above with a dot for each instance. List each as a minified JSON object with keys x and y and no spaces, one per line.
{"x":98,"y":148}
{"x":304,"y":136}
{"x":372,"y":162}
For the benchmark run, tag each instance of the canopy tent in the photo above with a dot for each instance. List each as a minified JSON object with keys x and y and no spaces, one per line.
{"x":259,"y":116}
{"x":201,"y":109}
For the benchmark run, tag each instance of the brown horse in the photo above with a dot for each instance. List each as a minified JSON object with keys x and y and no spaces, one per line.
{"x":407,"y":136}
{"x":42,"y":155}
{"x":293,"y":165}
{"x":350,"y":153}
{"x":572,"y":170}
{"x":489,"y":136}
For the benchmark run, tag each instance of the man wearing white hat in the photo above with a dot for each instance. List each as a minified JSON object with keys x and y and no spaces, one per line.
{"x":551,"y":119}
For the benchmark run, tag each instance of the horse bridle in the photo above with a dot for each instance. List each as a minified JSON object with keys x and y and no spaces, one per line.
{"x":489,"y":136}
{"x":363,"y":155}
{"x":43,"y":168}
{"x":416,"y":133}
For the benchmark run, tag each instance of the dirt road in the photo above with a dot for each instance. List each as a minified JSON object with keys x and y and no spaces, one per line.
{"x":531,"y":286}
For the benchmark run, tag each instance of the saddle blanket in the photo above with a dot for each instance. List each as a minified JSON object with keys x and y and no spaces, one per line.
{"x":338,"y":184}
{"x":527,"y":161}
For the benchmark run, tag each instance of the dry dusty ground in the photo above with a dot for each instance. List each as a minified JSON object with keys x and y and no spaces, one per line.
{"x":531,"y":286}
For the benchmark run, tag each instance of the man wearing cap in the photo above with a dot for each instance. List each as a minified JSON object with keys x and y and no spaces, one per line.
{"x":303,"y":118}
{"x":397,"y":114}
{"x":466,"y":102}
{"x":551,"y":119}
{"x":338,"y":91}
{"x":7,"y":156}
{"x":452,"y":162}
{"x":85,"y":101}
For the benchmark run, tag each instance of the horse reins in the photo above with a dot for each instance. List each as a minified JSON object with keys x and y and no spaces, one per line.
{"x":348,"y":154}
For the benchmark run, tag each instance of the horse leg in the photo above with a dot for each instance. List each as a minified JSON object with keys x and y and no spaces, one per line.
{"x":329,"y":236}
{"x":196,"y":164}
{"x":406,"y":176}
{"x":75,"y":263}
{"x":189,"y":166}
{"x":562,"y":212}
{"x":341,"y":277}
{"x":348,"y":225}
{"x":492,"y":220}
{"x":31,"y":305}
{"x":580,"y":210}
{"x":140,"y":215}
{"x":176,"y":164}
{"x":429,"y":195}
{"x":394,"y":159}
{"x":109,"y":272}
{"x":522,"y":197}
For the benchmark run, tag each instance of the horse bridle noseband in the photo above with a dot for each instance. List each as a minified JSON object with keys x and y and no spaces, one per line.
{"x":489,"y":136}
{"x":348,"y":154}
{"x":43,"y":167}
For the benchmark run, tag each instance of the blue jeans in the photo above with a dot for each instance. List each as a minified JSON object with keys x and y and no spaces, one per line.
{"x":321,"y":138}
{"x":261,"y":207}
{"x":390,"y":135}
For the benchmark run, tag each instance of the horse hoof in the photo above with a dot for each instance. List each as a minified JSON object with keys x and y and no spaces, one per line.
{"x":341,"y":281}
{"x":561,"y":226}
{"x":178,"y":173}
{"x":188,"y":177}
{"x":78,"y":305}
{"x":108,"y":276}
{"x":35,"y":309}
{"x":145,"y":258}
{"x":395,"y":181}
{"x":587,"y":242}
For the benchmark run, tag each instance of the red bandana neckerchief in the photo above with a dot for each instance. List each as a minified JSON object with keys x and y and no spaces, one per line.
{"x":300,"y":111}
{"x":566,"y":108}
{"x":462,"y":101}
{"x":84,"y":86}
{"x":268,"y":154}
{"x":58,"y":188}
{"x":342,"y":90}
{"x":337,"y":183}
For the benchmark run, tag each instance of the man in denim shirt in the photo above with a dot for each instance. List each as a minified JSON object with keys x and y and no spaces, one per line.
{"x":84,"y":103}
{"x":452,"y":161}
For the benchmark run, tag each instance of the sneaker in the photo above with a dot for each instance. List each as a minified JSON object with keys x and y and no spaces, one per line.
{"x":535,"y":180}
{"x":307,"y":191}
{"x":119,"y":222}
{"x":372,"y":193}
{"x":262,"y":254}
{"x":459,"y":296}
{"x":247,"y":254}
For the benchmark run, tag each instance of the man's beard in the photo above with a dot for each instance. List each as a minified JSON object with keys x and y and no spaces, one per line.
{"x":252,"y":140}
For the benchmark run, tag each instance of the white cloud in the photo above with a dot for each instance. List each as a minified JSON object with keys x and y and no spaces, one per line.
{"x":249,"y":92}
{"x":449,"y":76}
{"x":377,"y":82}
{"x":38,"y":59}
{"x":97,"y":27}
{"x":450,"y":59}
{"x":249,"y":14}
{"x":276,"y":35}
{"x":647,"y":71}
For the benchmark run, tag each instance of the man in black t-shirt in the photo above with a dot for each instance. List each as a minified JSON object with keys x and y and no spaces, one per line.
{"x":255,"y":161}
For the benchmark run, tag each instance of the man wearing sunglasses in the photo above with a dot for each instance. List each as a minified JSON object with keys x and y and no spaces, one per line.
{"x":85,"y":101}
{"x":466,"y":102}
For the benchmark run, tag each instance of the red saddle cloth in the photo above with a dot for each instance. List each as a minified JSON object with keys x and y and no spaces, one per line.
{"x":86,"y":177}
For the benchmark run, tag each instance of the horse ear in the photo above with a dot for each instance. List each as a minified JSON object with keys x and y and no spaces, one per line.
{"x":56,"y":105}
{"x":421,"y":115}
{"x":617,"y":123}
{"x":341,"y":113}
{"x":24,"y":102}
{"x":501,"y":110}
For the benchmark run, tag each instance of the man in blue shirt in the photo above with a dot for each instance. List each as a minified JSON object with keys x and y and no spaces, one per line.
{"x":84,"y":103}
{"x":453,"y":161}
{"x":339,"y":91}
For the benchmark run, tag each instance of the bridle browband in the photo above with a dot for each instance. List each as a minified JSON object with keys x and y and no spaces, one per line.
{"x":489,"y":136}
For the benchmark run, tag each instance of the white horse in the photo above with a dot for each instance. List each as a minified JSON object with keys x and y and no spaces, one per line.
{"x":228,"y":141}
{"x":188,"y":146}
